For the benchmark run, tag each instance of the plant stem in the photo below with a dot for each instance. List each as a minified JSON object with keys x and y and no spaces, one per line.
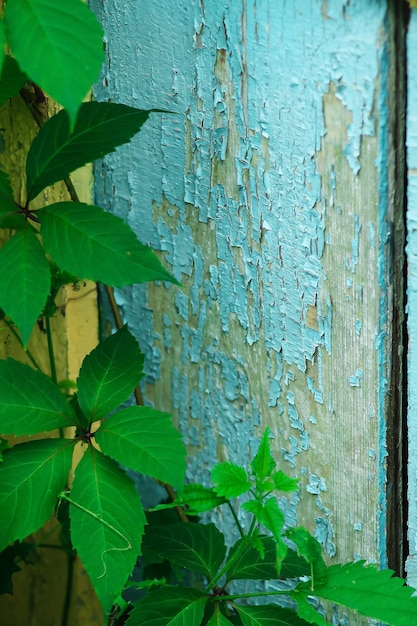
{"x":235,"y":517}
{"x":51,"y":349}
{"x":231,"y":560}
{"x":68,"y":591}
{"x":283,"y":592}
{"x":17,"y":336}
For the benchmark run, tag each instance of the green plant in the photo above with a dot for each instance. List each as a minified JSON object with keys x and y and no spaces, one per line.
{"x":49,"y":247}
{"x":286,"y":554}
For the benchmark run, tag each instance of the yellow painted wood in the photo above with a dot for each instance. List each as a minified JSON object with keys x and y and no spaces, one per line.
{"x":40,"y":589}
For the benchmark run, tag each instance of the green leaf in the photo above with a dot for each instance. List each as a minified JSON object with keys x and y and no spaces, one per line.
{"x":231,"y":480}
{"x":4,"y":444}
{"x":31,"y":476}
{"x":107,"y":523}
{"x":91,"y":243}
{"x":198,"y":547}
{"x":310,"y":549}
{"x":100,"y":128}
{"x":372,"y":592}
{"x":195,"y":499}
{"x":294,"y":566}
{"x":263,"y":463}
{"x":109,"y":374}
{"x":285,"y":483}
{"x":169,"y":606}
{"x":61,"y":49}
{"x":9,"y":563}
{"x":9,"y":210}
{"x":12,"y":79}
{"x":268,"y":615}
{"x":2,"y":43}
{"x":30,"y":402}
{"x":218,"y":619}
{"x":307,"y":611}
{"x":24,"y":280}
{"x":249,"y":565}
{"x":271,"y":517}
{"x":145,"y":441}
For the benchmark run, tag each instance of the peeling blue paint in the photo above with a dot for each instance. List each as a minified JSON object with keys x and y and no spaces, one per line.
{"x":244,"y":228}
{"x":412,"y":295}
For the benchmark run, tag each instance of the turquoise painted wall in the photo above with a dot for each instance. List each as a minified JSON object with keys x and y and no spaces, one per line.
{"x":265,"y":192}
{"x":412,"y":294}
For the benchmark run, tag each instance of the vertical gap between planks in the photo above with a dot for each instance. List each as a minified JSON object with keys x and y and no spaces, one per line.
{"x":397,"y":448}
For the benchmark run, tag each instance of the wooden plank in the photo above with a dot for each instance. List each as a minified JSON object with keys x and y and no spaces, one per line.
{"x":267,"y":197}
{"x":412,"y":294}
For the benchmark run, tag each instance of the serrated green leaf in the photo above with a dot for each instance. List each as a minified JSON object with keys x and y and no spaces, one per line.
{"x":109,"y":374}
{"x":24,"y":280}
{"x":249,"y":565}
{"x":372,"y":592}
{"x":284,"y":483}
{"x":268,"y":615}
{"x":310,"y":549}
{"x":91,"y":243}
{"x":231,"y":480}
{"x":294,"y":566}
{"x":198,"y":547}
{"x":195,"y":499}
{"x":145,"y":441}
{"x":263,"y":463}
{"x":64,"y":61}
{"x":12,"y":79}
{"x":169,"y":606}
{"x":100,"y":128}
{"x":307,"y":611}
{"x":107,"y":523}
{"x":271,"y":517}
{"x":32,"y":475}
{"x":30,"y":402}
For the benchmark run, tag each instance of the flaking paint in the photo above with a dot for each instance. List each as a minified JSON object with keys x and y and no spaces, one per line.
{"x":412,"y":296}
{"x":264,"y":195}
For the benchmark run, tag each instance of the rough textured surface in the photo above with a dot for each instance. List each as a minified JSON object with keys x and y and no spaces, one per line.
{"x":412,"y":295}
{"x":266,"y":194}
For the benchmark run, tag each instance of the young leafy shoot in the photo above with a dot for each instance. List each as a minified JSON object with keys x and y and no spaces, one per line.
{"x":230,"y":480}
{"x":195,"y":499}
{"x":46,"y":51}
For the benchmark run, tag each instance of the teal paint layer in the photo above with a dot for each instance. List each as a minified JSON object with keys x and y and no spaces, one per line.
{"x":247,"y":81}
{"x":412,"y":296}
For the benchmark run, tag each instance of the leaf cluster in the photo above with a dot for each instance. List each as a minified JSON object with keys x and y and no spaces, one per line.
{"x":289,"y":554}
{"x":106,"y":516}
{"x":57,"y":48}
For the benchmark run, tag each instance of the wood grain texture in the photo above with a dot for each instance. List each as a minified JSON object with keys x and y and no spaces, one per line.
{"x":266,"y":195}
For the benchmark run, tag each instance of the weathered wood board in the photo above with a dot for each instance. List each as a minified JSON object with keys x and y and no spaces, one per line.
{"x":267,"y":194}
{"x":412,"y":295}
